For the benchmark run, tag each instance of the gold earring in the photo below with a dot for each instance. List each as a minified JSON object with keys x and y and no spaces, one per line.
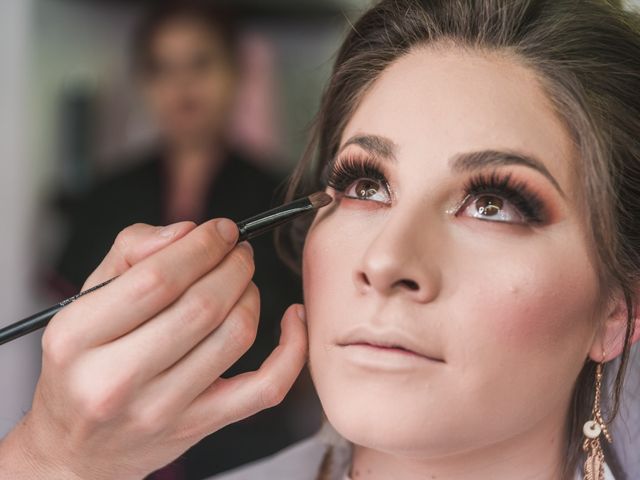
{"x":594,"y":465}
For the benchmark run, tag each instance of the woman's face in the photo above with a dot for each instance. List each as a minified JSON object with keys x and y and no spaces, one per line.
{"x":450,"y":291}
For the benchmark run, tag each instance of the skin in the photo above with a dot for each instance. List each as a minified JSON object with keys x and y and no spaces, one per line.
{"x":132,"y":371}
{"x":192,"y":88}
{"x":189,"y":94}
{"x":510,"y":310}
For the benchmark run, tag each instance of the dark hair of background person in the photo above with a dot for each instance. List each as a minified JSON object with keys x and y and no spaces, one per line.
{"x":587,"y":56}
{"x":218,"y":19}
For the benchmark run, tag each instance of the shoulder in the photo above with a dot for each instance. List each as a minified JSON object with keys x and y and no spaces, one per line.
{"x":252,"y":176}
{"x":117,"y":185}
{"x":140,"y":169}
{"x":299,"y":461}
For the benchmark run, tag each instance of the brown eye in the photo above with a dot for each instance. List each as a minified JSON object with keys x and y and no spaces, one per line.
{"x":488,"y":205}
{"x":365,"y":188}
{"x":492,"y":208}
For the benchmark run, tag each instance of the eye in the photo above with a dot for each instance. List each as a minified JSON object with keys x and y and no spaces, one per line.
{"x":494,"y":208}
{"x":496,"y":197}
{"x":367,"y":189}
{"x":358,"y":178}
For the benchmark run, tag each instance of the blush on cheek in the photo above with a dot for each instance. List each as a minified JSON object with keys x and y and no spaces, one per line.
{"x":329,"y":251}
{"x":318,"y":271}
{"x":544,"y":307}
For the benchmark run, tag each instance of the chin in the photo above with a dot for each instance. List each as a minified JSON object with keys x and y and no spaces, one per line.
{"x":381,"y":412}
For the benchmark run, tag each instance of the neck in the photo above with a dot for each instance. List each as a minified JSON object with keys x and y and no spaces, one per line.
{"x":538,"y":454}
{"x":189,"y":152}
{"x":190,"y":171}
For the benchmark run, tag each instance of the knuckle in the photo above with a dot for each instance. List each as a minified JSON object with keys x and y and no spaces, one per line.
{"x":209,"y":244}
{"x":243,"y":329}
{"x":102,"y":402}
{"x":151,"y":281}
{"x":150,"y":421}
{"x":57,"y":346}
{"x":125,"y":237}
{"x":201,"y":303}
{"x":200,"y":310}
{"x":271,"y":394}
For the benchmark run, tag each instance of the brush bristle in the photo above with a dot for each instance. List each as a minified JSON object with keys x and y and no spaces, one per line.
{"x":320,"y":199}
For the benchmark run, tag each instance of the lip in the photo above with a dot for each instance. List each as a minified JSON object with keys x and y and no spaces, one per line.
{"x":388,"y":342}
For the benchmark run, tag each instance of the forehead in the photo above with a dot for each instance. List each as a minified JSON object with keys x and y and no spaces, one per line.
{"x":183,"y":32}
{"x":436,"y":102}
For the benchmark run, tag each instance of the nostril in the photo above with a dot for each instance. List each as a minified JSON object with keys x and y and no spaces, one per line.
{"x":410,"y":284}
{"x":364,"y":279}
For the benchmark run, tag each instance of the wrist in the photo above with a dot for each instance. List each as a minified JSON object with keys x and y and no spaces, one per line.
{"x":21,"y":459}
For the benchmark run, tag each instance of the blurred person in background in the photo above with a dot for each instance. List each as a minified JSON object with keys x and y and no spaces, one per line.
{"x":185,"y":55}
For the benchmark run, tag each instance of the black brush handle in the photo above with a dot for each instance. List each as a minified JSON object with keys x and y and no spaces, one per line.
{"x":41,"y":319}
{"x":248,"y":228}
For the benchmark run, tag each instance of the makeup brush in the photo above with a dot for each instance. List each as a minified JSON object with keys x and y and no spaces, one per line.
{"x":249,"y":228}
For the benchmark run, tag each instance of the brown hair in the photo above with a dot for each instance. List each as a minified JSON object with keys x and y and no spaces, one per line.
{"x":216,"y":19}
{"x":586,"y":53}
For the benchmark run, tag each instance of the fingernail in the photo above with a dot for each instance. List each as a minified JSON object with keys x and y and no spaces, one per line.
{"x":227,"y":230}
{"x":301,"y":313}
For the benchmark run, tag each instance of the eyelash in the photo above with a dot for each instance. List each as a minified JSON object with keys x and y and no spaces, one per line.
{"x":340,"y":174}
{"x":528,"y":203}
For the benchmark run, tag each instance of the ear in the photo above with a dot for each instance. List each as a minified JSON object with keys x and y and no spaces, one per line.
{"x":611,"y":333}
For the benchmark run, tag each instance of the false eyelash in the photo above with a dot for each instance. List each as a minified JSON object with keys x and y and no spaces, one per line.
{"x":529,"y":204}
{"x":340,"y":174}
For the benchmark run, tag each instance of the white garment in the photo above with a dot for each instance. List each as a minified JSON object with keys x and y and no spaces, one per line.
{"x":301,"y":461}
{"x":607,"y":475}
{"x":625,"y":428}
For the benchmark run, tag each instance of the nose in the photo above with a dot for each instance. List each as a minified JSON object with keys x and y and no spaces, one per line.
{"x":401,"y":259}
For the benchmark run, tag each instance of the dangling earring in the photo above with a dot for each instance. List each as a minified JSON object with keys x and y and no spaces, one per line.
{"x":594,"y":465}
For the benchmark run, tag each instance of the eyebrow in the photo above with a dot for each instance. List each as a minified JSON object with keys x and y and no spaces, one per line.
{"x":385,"y":148}
{"x":375,"y":145}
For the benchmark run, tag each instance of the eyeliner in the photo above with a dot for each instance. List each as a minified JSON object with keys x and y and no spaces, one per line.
{"x":249,"y":228}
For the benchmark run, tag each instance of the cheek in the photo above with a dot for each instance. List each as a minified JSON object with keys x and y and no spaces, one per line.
{"x":534,"y":314}
{"x":324,"y":260}
{"x":332,"y":247}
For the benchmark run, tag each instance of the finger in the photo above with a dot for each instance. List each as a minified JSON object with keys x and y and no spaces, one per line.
{"x":132,"y":245}
{"x":176,"y":388}
{"x":229,"y":400}
{"x":165,"y":339}
{"x":148,"y":286}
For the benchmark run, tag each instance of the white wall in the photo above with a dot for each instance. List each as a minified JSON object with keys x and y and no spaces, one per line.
{"x":18,"y":360}
{"x":80,"y":44}
{"x":39,"y":56}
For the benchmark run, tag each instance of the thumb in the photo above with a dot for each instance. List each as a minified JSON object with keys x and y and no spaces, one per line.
{"x":134,"y":244}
